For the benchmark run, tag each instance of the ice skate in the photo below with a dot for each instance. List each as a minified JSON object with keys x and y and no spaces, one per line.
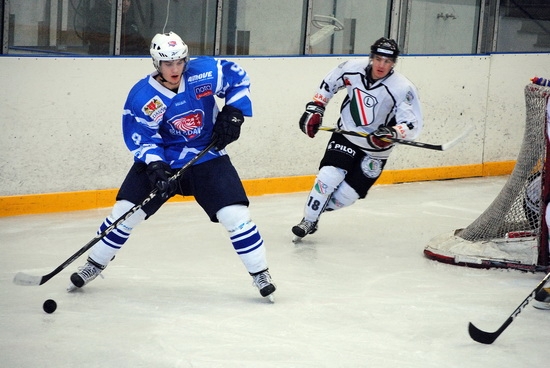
{"x":84,"y":275}
{"x":304,"y":228}
{"x":262,"y":280}
{"x":542,"y":299}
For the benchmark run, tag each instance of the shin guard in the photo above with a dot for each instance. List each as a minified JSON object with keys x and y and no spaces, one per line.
{"x":245,"y":237}
{"x":110,"y":244}
{"x":328,"y":179}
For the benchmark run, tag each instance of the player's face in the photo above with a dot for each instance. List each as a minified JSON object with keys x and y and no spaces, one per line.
{"x":172,"y":70}
{"x":381,"y":66}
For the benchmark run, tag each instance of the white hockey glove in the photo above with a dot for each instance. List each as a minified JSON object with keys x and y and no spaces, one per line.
{"x":312,"y":118}
{"x":375,"y":139}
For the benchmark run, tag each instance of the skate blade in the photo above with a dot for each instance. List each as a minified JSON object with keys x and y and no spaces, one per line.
{"x":271,"y":298}
{"x":71,"y":288}
{"x":296,"y":239}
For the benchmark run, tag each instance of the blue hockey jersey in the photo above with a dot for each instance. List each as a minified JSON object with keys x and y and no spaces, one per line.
{"x":158,"y":124}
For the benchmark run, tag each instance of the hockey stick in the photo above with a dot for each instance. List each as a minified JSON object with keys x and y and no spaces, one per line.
{"x":436,"y":147}
{"x":22,"y":278}
{"x":489,"y":337}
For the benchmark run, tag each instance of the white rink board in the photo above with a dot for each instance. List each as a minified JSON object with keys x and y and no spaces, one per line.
{"x":61,"y":116}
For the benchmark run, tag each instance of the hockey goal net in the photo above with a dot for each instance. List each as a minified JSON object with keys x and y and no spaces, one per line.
{"x":511,"y":232}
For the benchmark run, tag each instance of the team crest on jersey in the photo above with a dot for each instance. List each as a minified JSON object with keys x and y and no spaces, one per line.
{"x":321,"y":187}
{"x":362,"y":107}
{"x":336,"y":203}
{"x":372,"y":167}
{"x":409,"y":98}
{"x":154,"y":108}
{"x":188,"y":124}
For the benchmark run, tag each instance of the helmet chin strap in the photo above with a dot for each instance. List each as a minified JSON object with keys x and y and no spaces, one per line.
{"x":171,"y":86}
{"x":161,"y":77}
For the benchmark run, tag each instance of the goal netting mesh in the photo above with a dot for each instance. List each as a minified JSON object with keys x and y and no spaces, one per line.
{"x":510,"y":232}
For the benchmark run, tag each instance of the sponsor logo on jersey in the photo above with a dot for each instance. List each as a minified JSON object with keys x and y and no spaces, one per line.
{"x":188,"y":124}
{"x":362,"y":107}
{"x":154,"y":108}
{"x":200,"y":76}
{"x":372,"y":167}
{"x":333,"y":146}
{"x":203,"y":90}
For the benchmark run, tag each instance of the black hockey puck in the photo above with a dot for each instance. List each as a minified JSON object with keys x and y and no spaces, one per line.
{"x":49,"y":306}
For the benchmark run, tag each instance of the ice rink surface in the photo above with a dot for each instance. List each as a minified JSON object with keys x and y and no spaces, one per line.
{"x":358,"y":293}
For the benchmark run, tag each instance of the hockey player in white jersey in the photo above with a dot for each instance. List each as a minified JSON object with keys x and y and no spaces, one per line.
{"x":380,"y":102}
{"x":170,"y":116}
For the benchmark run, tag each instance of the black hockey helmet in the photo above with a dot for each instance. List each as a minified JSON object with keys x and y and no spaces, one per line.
{"x":385,"y":47}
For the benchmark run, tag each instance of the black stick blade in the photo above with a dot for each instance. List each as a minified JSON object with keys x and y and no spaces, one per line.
{"x":484,"y":337}
{"x":488,"y":337}
{"x":481,"y":336}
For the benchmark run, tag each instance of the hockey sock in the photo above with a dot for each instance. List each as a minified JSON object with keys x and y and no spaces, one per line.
{"x":328,"y":179}
{"x":245,"y":237}
{"x":342,"y":197}
{"x":110,"y":244}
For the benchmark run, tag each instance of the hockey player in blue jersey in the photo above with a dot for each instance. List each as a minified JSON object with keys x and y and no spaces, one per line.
{"x":380,"y":102}
{"x":170,"y":116}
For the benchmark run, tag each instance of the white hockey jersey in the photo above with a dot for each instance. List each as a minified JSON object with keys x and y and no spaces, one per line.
{"x":391,"y":101}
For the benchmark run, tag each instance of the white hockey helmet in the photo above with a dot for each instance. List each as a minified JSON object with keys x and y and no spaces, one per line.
{"x":168,"y":46}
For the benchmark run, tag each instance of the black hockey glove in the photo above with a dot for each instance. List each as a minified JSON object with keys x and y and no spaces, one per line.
{"x":382,"y":132}
{"x":312,"y":118}
{"x":228,"y":126}
{"x":159,"y":173}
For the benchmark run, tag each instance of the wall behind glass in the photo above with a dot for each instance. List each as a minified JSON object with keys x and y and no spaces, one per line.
{"x":442,"y":27}
{"x":282,"y":27}
{"x":98,"y":21}
{"x":523,"y":25}
{"x":33,"y":26}
{"x":262,"y":27}
{"x":89,"y":27}
{"x":193,"y":20}
{"x":347,"y":26}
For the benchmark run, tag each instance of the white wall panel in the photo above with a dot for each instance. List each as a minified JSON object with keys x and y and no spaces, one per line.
{"x":505,"y":121}
{"x":61,"y":117}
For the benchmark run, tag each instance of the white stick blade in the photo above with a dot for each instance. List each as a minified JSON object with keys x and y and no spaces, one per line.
{"x":25,"y":279}
{"x":455,"y":141}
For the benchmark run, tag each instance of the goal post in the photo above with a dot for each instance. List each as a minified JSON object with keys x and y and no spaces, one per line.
{"x":544,"y":251}
{"x":512,"y":231}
